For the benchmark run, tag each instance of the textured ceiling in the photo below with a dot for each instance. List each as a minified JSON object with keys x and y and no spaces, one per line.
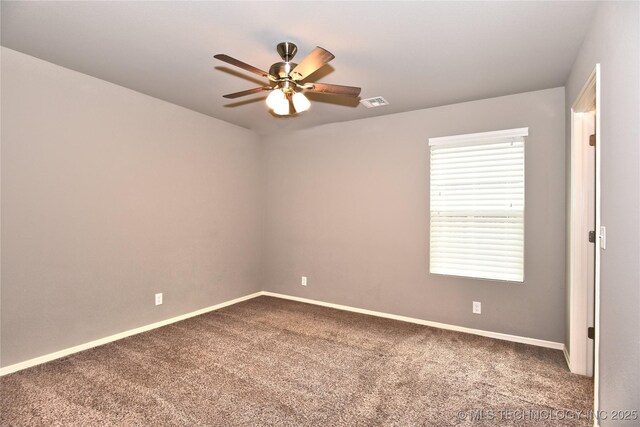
{"x":415,"y":54}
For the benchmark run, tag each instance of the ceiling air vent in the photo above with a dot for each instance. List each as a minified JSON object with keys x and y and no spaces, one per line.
{"x":376,"y":101}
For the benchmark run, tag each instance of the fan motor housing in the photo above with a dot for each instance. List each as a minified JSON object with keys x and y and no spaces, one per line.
{"x":282,"y":69}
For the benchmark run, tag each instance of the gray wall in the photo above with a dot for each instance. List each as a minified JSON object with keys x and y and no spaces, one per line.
{"x":614,"y":42}
{"x":348,"y":206}
{"x":109,"y":196}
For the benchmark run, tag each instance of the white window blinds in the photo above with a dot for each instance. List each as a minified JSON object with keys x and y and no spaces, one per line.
{"x":477,"y":205}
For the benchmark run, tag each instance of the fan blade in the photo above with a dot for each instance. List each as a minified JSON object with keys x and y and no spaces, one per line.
{"x":244,"y":66}
{"x":311,"y":63}
{"x":246,"y":92}
{"x":335,"y":89}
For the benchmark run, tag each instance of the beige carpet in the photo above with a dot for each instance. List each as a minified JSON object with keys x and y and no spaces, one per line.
{"x":272,"y":362}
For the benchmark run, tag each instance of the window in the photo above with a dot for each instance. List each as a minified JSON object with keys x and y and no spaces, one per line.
{"x":477,"y":205}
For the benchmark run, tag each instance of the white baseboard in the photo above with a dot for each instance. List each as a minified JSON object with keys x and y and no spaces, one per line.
{"x":489,"y":334}
{"x":75,"y":349}
{"x":71,"y":350}
{"x":566,"y":356}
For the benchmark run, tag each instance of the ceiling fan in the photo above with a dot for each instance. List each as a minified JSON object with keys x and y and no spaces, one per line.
{"x":286,"y":79}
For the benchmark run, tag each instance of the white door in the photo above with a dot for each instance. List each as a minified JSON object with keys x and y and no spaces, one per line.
{"x":584,"y":231}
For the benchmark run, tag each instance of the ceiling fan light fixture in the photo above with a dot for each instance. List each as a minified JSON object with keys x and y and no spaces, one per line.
{"x":286,"y":79}
{"x":300,"y":102}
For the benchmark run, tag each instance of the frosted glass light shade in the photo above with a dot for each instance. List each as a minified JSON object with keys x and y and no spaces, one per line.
{"x":300,"y":102}
{"x":277,"y":99}
{"x":282,"y":109}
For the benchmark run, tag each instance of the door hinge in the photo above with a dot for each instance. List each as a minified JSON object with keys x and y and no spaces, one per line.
{"x":592,"y":236}
{"x":591,"y":333}
{"x":592,"y":140}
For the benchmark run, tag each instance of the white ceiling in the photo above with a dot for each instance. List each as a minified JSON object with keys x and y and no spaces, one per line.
{"x":415,"y":54}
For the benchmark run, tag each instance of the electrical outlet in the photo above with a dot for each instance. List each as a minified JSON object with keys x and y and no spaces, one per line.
{"x":158,"y":299}
{"x":477,"y":307}
{"x":303,"y":282}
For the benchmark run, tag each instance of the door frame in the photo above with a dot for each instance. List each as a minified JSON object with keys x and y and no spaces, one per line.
{"x":578,"y":293}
